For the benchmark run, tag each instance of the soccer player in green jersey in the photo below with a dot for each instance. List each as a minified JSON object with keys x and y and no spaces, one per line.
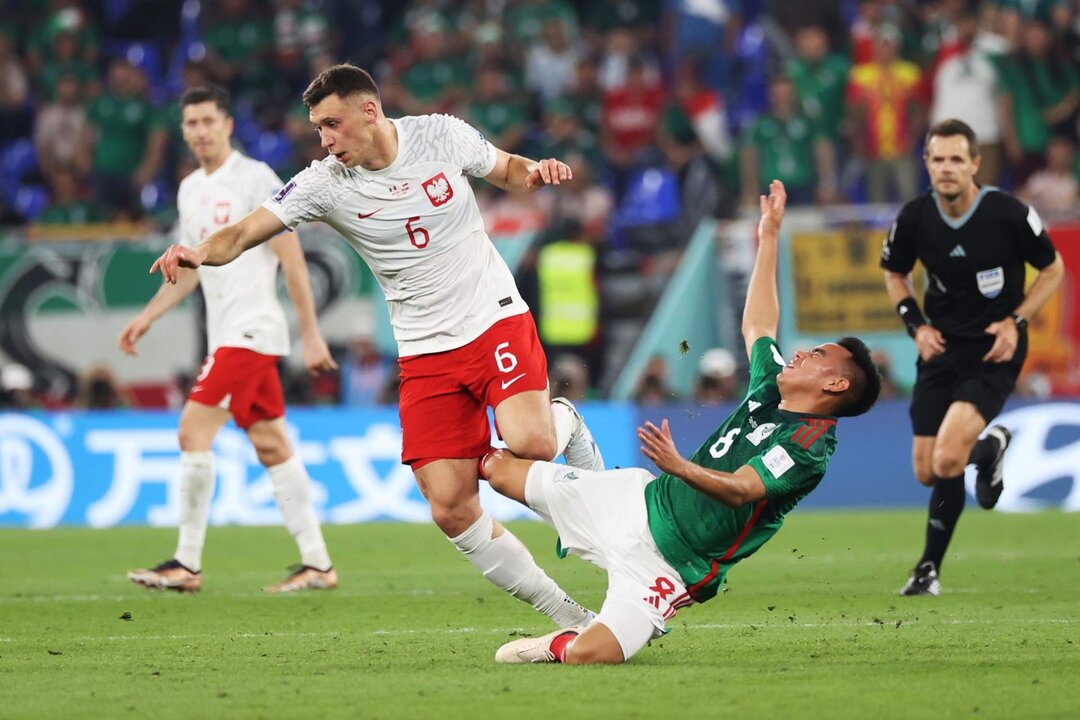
{"x":669,"y":541}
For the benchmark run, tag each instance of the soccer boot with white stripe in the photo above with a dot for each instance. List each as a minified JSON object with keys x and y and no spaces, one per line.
{"x":581,"y":451}
{"x":988,"y":481}
{"x":169,"y":575}
{"x":923,"y":581}
{"x":532,"y":649}
{"x":305,"y":577}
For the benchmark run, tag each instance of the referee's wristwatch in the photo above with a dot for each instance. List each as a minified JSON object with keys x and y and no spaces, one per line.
{"x":1020,"y":320}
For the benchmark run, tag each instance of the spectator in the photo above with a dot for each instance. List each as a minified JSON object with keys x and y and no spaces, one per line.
{"x":1054,"y":189}
{"x":561,"y":134}
{"x":68,"y":203}
{"x":820,"y":77}
{"x":869,"y":15}
{"x":585,"y":94}
{"x":704,"y":109}
{"x":435,"y":80}
{"x":702,"y":32}
{"x":302,"y":30}
{"x":630,"y":116}
{"x":364,"y":373}
{"x":118,"y":131}
{"x":65,"y":60}
{"x":589,"y":206}
{"x":1043,"y":94}
{"x":497,"y":112}
{"x":569,"y":378}
{"x":239,"y":42}
{"x":99,"y":390}
{"x":58,"y":128}
{"x":886,"y":119}
{"x":525,"y":20}
{"x":568,"y":312}
{"x":14,"y":92}
{"x":65,"y":19}
{"x":964,"y":85}
{"x":785,"y":145}
{"x":717,"y":381}
{"x":652,"y":388}
{"x":549,"y":66}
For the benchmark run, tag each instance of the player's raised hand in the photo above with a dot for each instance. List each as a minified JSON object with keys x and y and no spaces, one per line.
{"x":131,"y":333}
{"x":1006,"y":336}
{"x":177,"y":256}
{"x":317,"y":357}
{"x":549,"y":172}
{"x":772,"y":209}
{"x":658,"y":446}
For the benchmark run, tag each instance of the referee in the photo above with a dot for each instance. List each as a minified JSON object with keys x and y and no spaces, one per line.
{"x":974,"y":242}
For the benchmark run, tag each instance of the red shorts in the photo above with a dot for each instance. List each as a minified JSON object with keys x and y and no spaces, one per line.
{"x":444,"y":396}
{"x":242,"y":381}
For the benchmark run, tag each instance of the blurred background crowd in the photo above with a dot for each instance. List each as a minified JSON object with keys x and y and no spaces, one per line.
{"x":669,"y":112}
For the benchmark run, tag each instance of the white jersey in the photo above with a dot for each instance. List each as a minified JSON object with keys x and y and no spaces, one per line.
{"x":242,"y":307}
{"x":417,"y":225}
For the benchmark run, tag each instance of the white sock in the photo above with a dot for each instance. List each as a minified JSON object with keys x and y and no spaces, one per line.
{"x":507,"y":564}
{"x":196,"y":490}
{"x":293,"y":496}
{"x":565,"y":420}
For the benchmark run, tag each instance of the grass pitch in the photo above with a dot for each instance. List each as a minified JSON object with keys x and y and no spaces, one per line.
{"x":810,"y":627}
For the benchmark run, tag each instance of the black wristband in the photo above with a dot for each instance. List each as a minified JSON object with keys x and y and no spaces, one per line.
{"x":909,"y":312}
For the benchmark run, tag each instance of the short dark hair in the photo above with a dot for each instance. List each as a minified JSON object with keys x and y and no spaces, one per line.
{"x":208,"y":93}
{"x":342,"y":80}
{"x":949,"y":128}
{"x":863,"y":376}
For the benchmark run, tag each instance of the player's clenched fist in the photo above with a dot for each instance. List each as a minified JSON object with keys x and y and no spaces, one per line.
{"x":177,"y":256}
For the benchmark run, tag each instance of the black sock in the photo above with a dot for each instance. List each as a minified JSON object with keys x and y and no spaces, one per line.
{"x":984,"y":451}
{"x":946,"y":504}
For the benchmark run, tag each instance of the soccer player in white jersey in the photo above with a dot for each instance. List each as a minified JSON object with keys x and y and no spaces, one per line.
{"x":397,"y":190}
{"x":247,"y":334}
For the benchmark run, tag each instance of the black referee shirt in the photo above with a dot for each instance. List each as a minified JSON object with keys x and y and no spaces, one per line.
{"x":975,"y":264}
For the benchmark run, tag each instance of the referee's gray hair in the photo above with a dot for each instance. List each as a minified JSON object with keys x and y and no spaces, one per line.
{"x":949,"y":128}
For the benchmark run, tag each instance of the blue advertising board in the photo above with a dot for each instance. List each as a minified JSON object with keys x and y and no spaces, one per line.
{"x":101,"y":469}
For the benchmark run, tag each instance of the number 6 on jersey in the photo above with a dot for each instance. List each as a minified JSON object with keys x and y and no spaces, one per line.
{"x":415,"y":232}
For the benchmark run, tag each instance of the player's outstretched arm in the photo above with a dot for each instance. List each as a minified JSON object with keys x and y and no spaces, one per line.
{"x":520,"y":174}
{"x":761,"y":314}
{"x":223,"y":246}
{"x":733,"y":489}
{"x":165,"y":299}
{"x":317,"y":357}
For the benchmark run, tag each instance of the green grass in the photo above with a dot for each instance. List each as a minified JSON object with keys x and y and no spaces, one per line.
{"x":810,"y":627}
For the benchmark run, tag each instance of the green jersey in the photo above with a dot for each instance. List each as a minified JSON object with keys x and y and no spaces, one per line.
{"x":701,"y":537}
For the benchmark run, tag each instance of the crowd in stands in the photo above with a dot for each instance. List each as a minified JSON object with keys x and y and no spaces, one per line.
{"x":668,"y":112}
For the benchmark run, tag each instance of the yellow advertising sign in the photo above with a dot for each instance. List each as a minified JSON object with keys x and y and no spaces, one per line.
{"x":839,"y":286}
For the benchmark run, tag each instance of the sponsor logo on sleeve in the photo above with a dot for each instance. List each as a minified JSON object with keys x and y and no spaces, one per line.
{"x":438,"y":190}
{"x":991,"y":281}
{"x":778,"y":461}
{"x":1034,"y":222}
{"x":284,"y":192}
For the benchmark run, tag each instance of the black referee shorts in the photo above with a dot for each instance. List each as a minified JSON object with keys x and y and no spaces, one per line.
{"x":959,"y":374}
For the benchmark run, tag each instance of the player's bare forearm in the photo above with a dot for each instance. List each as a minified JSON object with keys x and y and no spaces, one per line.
{"x":1042,"y":289}
{"x":170,"y":295}
{"x":297,"y":280}
{"x":520,"y":174}
{"x":761,"y":314}
{"x":228,"y":243}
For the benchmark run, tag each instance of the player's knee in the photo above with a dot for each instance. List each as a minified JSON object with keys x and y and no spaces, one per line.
{"x":452,"y":519}
{"x":948,"y":462}
{"x":272,"y":454}
{"x":535,"y":445}
{"x":191,"y":440}
{"x":925,"y":476}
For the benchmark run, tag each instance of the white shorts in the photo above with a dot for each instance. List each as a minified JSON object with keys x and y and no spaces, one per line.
{"x":602,"y":517}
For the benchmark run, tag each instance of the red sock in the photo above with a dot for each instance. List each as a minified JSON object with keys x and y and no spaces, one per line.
{"x":561,"y":644}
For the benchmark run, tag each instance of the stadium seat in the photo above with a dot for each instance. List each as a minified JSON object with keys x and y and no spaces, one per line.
{"x":30,"y":201}
{"x":17,"y":158}
{"x":652,"y":196}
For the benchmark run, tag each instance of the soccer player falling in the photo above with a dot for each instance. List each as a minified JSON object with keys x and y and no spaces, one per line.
{"x":396,"y":189}
{"x":669,"y":541}
{"x":247,"y":334}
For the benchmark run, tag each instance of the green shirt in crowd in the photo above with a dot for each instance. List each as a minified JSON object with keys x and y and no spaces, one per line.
{"x":1035,"y":86}
{"x":821,"y":88}
{"x":702,"y":537}
{"x":785,"y":148}
{"x":75,"y":213}
{"x":122,"y":123}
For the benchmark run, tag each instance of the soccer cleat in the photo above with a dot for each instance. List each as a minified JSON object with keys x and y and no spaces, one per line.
{"x":305,"y":577}
{"x":988,"y":482}
{"x":532,"y":649}
{"x":581,"y":451}
{"x":169,"y":575}
{"x":923,"y":581}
